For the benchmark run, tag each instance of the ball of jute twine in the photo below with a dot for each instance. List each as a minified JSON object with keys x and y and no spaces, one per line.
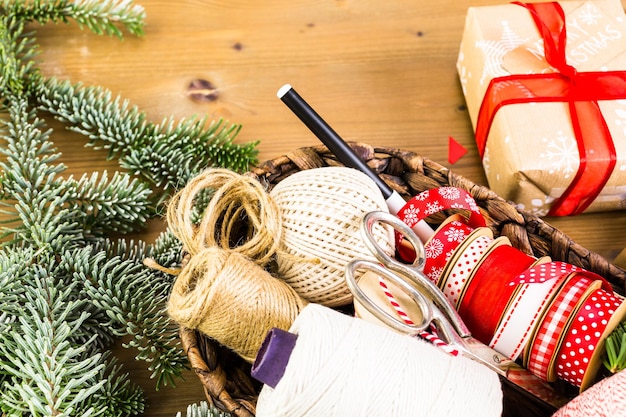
{"x":228,"y":297}
{"x":321,"y":211}
{"x":223,"y":289}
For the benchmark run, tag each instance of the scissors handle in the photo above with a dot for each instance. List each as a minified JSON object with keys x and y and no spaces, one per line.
{"x":414,"y":271}
{"x":361,"y":297}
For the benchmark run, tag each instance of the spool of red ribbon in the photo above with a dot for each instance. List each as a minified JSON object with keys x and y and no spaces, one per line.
{"x":488,"y":292}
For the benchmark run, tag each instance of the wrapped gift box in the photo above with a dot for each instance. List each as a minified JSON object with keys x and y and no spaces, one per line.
{"x":531,"y":150}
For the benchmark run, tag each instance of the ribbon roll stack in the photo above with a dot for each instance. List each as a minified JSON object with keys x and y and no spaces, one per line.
{"x":552,"y":315}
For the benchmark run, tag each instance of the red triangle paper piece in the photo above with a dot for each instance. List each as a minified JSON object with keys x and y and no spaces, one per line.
{"x":455,"y":150}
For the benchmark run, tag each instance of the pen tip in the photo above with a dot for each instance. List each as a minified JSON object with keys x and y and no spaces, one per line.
{"x":283,"y":90}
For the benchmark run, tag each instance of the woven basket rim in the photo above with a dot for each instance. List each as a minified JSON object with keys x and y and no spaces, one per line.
{"x":407,"y":173}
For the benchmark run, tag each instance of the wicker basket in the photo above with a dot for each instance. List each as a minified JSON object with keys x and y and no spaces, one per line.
{"x":226,"y":377}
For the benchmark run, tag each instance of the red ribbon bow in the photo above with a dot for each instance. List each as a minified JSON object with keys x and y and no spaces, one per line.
{"x":581,"y":90}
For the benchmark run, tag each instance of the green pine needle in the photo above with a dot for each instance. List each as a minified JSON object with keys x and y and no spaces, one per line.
{"x":615,"y":358}
{"x":99,"y":16}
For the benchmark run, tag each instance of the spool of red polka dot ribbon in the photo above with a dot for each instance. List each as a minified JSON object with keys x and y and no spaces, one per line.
{"x":580,"y":355}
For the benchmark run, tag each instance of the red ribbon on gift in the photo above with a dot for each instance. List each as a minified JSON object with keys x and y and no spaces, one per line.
{"x":581,"y":90}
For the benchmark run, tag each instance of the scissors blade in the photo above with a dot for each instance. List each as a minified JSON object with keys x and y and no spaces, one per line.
{"x":534,"y":385}
{"x":513,"y":372}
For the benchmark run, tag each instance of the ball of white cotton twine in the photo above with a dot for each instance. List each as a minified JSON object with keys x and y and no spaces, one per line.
{"x":344,"y":366}
{"x":321,"y":210}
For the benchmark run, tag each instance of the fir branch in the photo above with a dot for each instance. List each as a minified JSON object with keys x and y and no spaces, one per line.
{"x":615,"y":352}
{"x":17,"y":52}
{"x":120,"y":396}
{"x":167,"y":252}
{"x":49,"y":374}
{"x":29,"y":180}
{"x":167,"y":154}
{"x":133,"y":298}
{"x":99,"y":16}
{"x":120,"y":205}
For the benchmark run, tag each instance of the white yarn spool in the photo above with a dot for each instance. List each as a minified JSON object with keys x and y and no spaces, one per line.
{"x":344,"y":366}
{"x":321,"y":211}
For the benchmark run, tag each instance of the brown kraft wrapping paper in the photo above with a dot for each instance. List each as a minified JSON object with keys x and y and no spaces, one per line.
{"x":531,"y":154}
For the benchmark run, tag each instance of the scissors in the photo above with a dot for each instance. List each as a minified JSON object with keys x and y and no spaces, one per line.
{"x":436,"y":311}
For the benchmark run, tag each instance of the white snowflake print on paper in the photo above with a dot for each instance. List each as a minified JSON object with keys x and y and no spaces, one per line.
{"x":620,"y":114}
{"x":495,"y":51}
{"x":464,"y":74}
{"x":538,"y":206}
{"x":486,"y":161}
{"x":562,"y":153}
{"x":590,"y":15}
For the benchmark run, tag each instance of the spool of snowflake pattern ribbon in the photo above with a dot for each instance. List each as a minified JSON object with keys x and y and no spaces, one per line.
{"x":442,"y":245}
{"x":430,"y":202}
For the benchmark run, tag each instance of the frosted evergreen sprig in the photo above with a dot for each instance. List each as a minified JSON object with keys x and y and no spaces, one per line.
{"x":99,"y":16}
{"x":168,"y":154}
{"x":48,"y":369}
{"x":130,"y":294}
{"x":17,"y":53}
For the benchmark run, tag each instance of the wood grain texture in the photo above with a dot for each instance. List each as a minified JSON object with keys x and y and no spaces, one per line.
{"x":379,"y":71}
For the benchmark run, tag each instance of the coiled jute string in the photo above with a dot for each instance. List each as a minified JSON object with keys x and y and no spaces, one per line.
{"x":223,"y":289}
{"x":236,"y":200}
{"x":343,"y":366}
{"x":231,"y":299}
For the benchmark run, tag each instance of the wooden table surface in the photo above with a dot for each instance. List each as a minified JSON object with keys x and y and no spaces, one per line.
{"x":379,"y":71}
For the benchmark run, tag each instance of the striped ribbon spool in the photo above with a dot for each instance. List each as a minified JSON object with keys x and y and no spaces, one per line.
{"x":520,"y":319}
